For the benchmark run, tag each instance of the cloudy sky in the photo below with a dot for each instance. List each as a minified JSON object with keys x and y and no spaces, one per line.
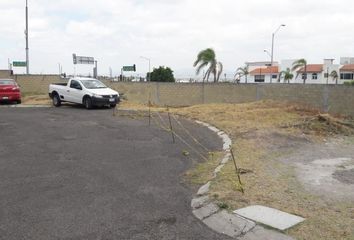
{"x":172,"y":32}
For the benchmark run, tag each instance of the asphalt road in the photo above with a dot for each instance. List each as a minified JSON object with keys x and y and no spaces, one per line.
{"x":69,"y":173}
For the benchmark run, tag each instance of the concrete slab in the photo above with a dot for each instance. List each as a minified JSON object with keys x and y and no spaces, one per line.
{"x":229,"y":224}
{"x":270,"y":217}
{"x":265,"y":234}
{"x":199,"y":202}
{"x":205,"y":211}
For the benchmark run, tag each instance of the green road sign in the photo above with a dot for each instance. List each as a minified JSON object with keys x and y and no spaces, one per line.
{"x":129,"y":68}
{"x":19,"y":64}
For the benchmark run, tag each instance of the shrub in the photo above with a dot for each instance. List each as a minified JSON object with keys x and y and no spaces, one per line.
{"x":349,"y":83}
{"x":162,"y":74}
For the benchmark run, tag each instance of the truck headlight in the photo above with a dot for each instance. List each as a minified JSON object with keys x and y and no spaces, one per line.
{"x":97,"y":96}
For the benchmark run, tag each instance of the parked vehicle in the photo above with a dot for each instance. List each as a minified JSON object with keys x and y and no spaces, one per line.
{"x":87,"y":91}
{"x":9,"y":91}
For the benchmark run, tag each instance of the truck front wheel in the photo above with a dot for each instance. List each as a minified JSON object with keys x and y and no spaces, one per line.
{"x":88,"y":103}
{"x":56,"y":100}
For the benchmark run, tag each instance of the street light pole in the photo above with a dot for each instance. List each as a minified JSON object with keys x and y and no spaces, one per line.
{"x":148,"y":59}
{"x":272,"y":54}
{"x":267,"y":52}
{"x":26,"y":33}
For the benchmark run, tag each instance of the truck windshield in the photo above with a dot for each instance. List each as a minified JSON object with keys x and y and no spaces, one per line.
{"x":93,"y":84}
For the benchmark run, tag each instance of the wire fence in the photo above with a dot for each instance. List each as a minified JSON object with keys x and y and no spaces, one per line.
{"x":172,"y":125}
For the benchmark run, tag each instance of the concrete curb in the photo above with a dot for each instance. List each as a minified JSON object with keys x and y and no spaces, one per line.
{"x":222,"y":221}
{"x":25,"y":106}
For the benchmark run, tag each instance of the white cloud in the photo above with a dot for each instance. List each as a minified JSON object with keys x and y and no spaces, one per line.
{"x":171,"y":32}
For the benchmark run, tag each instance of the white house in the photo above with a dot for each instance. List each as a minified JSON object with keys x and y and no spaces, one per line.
{"x":315,"y":73}
{"x":261,"y":72}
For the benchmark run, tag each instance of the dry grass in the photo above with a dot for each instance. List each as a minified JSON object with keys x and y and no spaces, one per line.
{"x":262,"y":132}
{"x":36,"y":99}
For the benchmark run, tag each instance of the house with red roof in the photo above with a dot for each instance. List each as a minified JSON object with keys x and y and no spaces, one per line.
{"x":312,"y":74}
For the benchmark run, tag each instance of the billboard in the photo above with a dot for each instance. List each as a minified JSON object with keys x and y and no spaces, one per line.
{"x":83,"y":60}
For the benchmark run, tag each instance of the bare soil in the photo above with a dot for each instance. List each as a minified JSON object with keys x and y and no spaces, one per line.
{"x":326,"y":168}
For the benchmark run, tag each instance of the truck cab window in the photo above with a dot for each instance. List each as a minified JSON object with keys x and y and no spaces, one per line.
{"x":75,"y":84}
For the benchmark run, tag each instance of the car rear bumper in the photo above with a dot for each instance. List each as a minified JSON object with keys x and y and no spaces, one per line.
{"x":10,"y":96}
{"x":105,"y":101}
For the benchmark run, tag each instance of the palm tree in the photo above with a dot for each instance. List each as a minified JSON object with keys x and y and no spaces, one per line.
{"x":242,"y":71}
{"x":207,"y":58}
{"x":299,"y":65}
{"x":237,"y":77}
{"x":287,"y":75}
{"x":334,"y":75}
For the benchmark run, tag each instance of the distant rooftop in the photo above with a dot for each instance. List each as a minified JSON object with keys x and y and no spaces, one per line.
{"x":312,"y":68}
{"x":267,"y":70}
{"x":261,"y":63}
{"x":348,"y":68}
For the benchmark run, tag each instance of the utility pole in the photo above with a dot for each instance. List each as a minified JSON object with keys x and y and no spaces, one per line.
{"x":95,"y":70}
{"x":26,"y":33}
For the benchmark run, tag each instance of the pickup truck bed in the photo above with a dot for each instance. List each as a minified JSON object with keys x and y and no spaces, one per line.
{"x":60,"y":84}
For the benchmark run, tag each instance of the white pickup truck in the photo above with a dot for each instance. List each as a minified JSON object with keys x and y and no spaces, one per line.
{"x":87,"y":91}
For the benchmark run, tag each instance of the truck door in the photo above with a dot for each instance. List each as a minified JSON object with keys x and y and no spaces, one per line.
{"x":74,"y":92}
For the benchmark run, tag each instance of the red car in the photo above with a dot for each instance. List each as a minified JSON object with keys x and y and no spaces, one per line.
{"x":9,"y":91}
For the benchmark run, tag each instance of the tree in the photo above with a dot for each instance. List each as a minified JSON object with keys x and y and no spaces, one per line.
{"x":242,"y":72}
{"x":299,"y":65}
{"x":334,"y":75}
{"x":161,"y":74}
{"x":287,"y":75}
{"x":207,"y":58}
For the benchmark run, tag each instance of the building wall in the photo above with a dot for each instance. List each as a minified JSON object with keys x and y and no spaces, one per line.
{"x":332,"y":98}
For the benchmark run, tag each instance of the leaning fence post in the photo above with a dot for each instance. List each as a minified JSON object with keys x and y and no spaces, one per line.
{"x":237,"y":170}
